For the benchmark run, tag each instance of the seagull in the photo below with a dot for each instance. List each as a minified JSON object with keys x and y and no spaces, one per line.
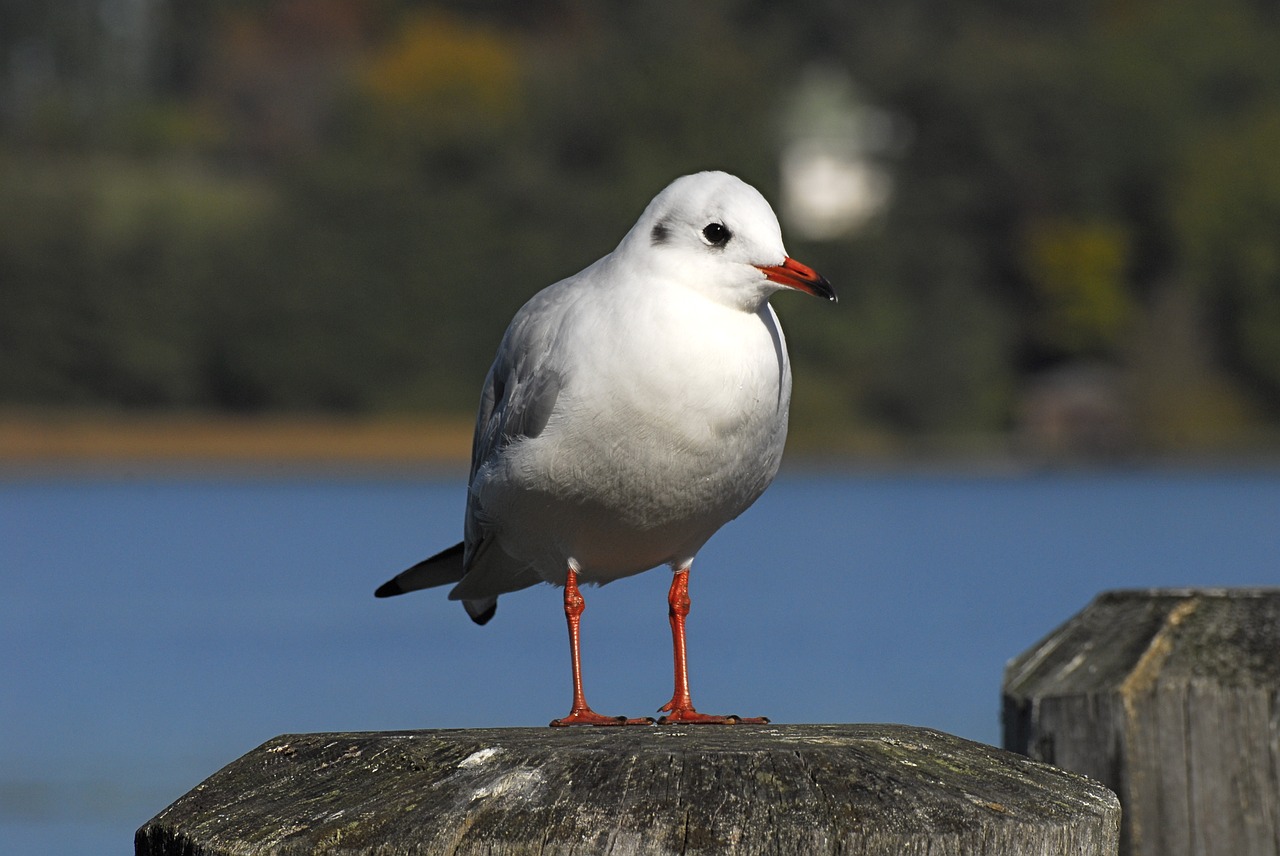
{"x":632,"y":410}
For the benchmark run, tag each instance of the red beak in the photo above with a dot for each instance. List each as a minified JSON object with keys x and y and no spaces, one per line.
{"x":801,"y":277}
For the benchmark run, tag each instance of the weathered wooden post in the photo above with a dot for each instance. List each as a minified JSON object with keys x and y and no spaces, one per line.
{"x":803,"y":789}
{"x":1171,"y":697}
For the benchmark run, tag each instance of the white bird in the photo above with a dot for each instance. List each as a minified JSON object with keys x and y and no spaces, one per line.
{"x":632,"y":410}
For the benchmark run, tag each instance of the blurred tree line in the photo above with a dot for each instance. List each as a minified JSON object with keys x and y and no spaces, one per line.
{"x":336,"y":205}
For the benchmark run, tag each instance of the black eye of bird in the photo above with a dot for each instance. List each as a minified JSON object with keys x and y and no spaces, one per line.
{"x":717,"y":234}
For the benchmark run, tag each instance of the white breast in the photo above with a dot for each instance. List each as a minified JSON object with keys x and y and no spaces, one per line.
{"x":633,"y":469}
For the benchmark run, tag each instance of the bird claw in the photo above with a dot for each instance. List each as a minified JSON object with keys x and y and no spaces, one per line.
{"x":588,"y":716}
{"x":689,"y":716}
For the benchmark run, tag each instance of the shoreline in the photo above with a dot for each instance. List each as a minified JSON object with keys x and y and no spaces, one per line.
{"x":97,"y":442}
{"x":38,"y":443}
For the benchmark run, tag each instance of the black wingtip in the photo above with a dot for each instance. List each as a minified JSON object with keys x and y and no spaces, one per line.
{"x":390,"y":588}
{"x":483,"y":618}
{"x":441,"y":569}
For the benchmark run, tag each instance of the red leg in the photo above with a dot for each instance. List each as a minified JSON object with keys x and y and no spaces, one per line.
{"x":680,"y":708}
{"x":582,"y":714}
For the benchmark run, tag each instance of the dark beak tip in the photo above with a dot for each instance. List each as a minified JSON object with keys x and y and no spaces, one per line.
{"x":823,"y":288}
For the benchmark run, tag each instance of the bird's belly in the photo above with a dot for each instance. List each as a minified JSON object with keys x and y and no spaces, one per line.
{"x":624,"y":501}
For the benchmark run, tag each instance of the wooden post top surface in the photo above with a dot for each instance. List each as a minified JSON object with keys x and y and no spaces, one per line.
{"x":1132,"y":637}
{"x":855,"y":789}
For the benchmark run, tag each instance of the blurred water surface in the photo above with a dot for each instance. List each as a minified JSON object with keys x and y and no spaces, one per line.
{"x":156,"y":628}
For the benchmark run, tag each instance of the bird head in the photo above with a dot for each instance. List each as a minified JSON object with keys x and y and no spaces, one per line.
{"x":716,"y":234}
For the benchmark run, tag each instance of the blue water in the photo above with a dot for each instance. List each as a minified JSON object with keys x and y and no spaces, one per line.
{"x":154,"y":629}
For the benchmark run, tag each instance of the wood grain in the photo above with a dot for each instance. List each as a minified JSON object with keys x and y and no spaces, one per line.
{"x":804,"y":789}
{"x":1171,"y":697}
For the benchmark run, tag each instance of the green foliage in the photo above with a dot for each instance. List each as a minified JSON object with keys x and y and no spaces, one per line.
{"x":1226,"y":213}
{"x":337,"y":205}
{"x":1078,"y":276}
{"x":104,"y":267}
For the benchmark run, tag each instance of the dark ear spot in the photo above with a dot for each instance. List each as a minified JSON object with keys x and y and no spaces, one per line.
{"x":659,"y":234}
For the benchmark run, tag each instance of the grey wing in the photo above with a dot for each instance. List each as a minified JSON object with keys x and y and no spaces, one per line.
{"x":519,"y":397}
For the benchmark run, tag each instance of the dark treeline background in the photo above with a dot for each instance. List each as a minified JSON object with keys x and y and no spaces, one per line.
{"x":320,"y":206}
